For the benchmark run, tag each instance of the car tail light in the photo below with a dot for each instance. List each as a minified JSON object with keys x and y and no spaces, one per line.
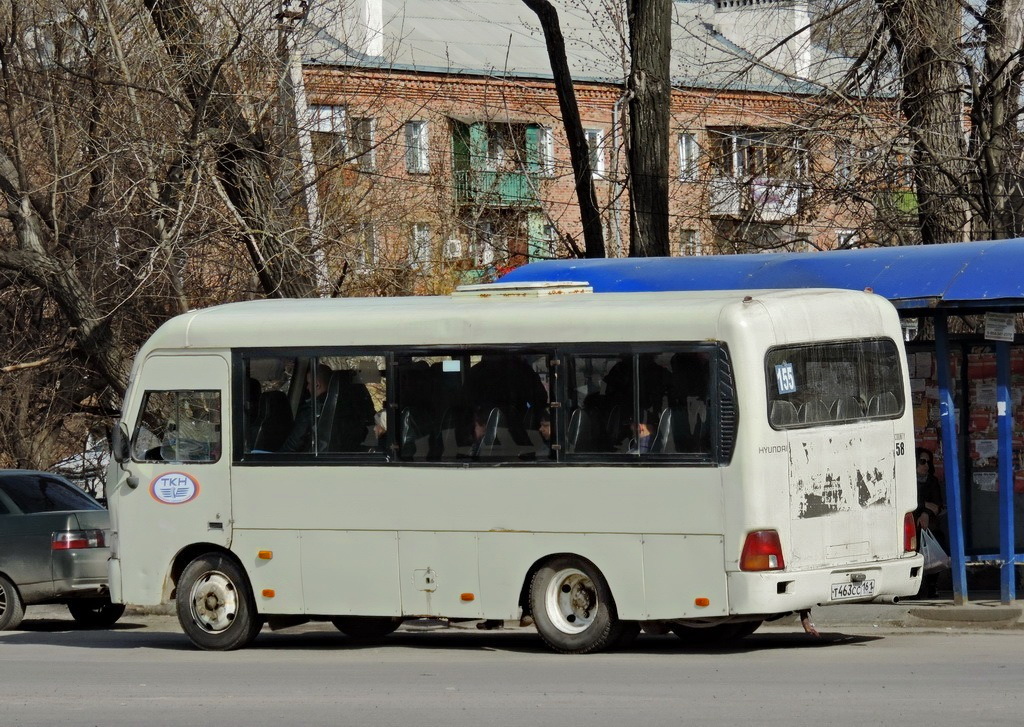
{"x":909,"y":533}
{"x":78,"y":539}
{"x":762,"y":550}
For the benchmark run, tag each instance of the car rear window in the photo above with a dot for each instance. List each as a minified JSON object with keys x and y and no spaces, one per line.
{"x":39,"y":493}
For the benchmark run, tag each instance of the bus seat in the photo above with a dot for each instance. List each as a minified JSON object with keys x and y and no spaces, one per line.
{"x":456,"y":432}
{"x":882,"y":404}
{"x":615,"y":430}
{"x":413,"y":442}
{"x":691,"y":432}
{"x":353,"y":414}
{"x":496,"y":433}
{"x":846,"y":407}
{"x":782,"y":413}
{"x":580,"y":435}
{"x":325,"y":417}
{"x":813,"y":411}
{"x":662,"y":441}
{"x":273,"y":421}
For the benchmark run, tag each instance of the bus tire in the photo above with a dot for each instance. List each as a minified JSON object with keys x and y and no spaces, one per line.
{"x":95,"y":613}
{"x":572,"y":606}
{"x":366,"y":628}
{"x":12,"y":608}
{"x":215,"y":605}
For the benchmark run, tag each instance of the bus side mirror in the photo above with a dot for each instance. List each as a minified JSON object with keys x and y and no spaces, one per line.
{"x":119,"y":443}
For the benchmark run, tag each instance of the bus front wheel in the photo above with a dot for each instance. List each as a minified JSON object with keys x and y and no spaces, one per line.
{"x":572,"y":606}
{"x":215,"y":605}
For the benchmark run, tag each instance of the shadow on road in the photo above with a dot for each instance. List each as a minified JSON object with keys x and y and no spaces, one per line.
{"x":322,"y":637}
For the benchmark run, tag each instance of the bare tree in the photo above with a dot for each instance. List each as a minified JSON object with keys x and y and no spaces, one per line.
{"x":650,"y":103}
{"x":578,"y":150}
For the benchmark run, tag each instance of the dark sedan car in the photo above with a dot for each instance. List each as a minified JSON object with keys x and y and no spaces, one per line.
{"x":52,"y":549}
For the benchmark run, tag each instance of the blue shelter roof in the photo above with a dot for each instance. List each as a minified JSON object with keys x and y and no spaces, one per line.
{"x":987,"y":274}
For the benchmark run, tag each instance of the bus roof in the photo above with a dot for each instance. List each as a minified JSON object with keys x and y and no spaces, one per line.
{"x":487,"y":317}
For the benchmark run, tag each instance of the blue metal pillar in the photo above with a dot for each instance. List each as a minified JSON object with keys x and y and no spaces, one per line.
{"x":951,"y":462}
{"x":1007,"y":553}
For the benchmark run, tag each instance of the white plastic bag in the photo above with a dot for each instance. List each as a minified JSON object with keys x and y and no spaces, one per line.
{"x":935,"y":558}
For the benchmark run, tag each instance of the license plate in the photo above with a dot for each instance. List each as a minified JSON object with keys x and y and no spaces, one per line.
{"x":860,"y":589}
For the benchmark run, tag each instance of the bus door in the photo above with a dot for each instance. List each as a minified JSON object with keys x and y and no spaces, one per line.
{"x":178,"y":460}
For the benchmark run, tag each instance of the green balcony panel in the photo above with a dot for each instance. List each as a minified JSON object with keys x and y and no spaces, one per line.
{"x":495,"y":189}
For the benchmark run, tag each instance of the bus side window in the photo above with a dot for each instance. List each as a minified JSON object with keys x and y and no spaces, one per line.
{"x":178,"y":426}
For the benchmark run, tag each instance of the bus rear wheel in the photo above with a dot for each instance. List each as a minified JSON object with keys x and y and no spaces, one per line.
{"x":572,"y":606}
{"x":366,"y":628}
{"x":215,"y":605}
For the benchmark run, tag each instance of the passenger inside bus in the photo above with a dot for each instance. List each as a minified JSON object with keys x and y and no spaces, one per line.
{"x":310,"y":409}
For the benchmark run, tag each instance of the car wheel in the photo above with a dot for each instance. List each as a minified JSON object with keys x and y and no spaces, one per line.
{"x":215,"y":605}
{"x":95,"y":613}
{"x":572,"y":606}
{"x":12,"y":608}
{"x":366,"y":628}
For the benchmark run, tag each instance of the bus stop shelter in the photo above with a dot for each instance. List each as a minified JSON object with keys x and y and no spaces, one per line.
{"x":939,"y":282}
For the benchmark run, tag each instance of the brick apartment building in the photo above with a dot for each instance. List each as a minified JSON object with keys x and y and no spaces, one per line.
{"x":438,"y":138}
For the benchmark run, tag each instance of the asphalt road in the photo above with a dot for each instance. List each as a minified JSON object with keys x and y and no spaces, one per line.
{"x":144,"y":672}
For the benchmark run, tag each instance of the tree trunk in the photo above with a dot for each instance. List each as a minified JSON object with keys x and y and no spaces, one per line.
{"x":650,"y":91}
{"x":925,"y":34}
{"x":995,"y":134}
{"x":579,"y":153}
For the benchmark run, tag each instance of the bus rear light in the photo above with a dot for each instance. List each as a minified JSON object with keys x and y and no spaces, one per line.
{"x":909,"y":533}
{"x":77,"y":540}
{"x":762,"y":550}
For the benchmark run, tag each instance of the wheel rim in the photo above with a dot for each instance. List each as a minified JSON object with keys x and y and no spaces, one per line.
{"x":570,"y":600}
{"x":3,"y":600}
{"x":214,"y":602}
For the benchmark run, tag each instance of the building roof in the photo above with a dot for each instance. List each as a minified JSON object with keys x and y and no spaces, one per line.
{"x":921,"y":278}
{"x":712,"y":47}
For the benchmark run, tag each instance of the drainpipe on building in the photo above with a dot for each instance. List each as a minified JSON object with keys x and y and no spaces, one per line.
{"x":616,"y":186}
{"x":294,"y":92}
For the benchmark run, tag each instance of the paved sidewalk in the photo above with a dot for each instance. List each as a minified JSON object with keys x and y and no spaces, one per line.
{"x":984,"y":611}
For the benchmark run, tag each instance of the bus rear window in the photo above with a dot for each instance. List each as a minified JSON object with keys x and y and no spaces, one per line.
{"x":833,"y":382}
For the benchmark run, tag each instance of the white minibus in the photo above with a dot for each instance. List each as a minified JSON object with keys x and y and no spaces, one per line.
{"x":699,"y":462}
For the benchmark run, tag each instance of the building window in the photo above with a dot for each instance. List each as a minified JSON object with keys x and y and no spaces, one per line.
{"x":595,"y":145}
{"x":483,"y":246}
{"x":328,"y":119}
{"x":419,"y":247}
{"x":361,"y":141}
{"x":847,"y":239}
{"x":687,"y":244}
{"x":328,"y":125}
{"x":546,"y":144}
{"x":416,"y":146}
{"x":366,"y":247}
{"x":550,"y":238}
{"x":752,"y":153}
{"x":688,"y":152}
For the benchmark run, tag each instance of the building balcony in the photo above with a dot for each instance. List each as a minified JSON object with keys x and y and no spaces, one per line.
{"x":896,"y":202}
{"x":495,"y":189}
{"x":762,"y":199}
